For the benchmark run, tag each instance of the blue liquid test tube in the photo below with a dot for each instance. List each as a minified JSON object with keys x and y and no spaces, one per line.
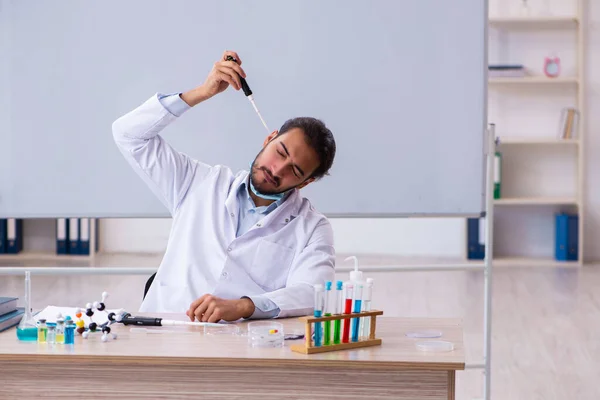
{"x":318,"y":313}
{"x":357,"y":308}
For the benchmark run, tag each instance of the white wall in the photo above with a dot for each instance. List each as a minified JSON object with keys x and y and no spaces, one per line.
{"x":530,"y":112}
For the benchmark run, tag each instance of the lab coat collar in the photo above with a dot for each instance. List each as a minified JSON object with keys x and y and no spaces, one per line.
{"x":285,"y":212}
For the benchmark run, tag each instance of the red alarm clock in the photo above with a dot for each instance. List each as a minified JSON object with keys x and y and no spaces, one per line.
{"x":552,"y":66}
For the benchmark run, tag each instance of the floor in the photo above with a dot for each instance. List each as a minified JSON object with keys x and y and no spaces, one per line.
{"x":545,"y":321}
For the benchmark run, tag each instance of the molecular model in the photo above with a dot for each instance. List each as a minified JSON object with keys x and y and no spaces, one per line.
{"x":93,"y":326}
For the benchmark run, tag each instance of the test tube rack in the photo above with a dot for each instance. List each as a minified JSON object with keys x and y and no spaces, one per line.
{"x":309,"y":348}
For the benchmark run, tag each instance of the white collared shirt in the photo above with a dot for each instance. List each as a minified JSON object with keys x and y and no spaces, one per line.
{"x":279,"y":258}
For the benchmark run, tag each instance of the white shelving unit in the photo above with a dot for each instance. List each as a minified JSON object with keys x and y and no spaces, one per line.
{"x":46,"y":252}
{"x":545,"y":153}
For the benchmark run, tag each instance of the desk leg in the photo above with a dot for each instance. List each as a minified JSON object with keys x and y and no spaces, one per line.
{"x":451,"y":385}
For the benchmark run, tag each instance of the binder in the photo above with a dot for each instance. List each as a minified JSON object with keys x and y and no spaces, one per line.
{"x":14,"y":236}
{"x":3,"y":232}
{"x":475,"y":238}
{"x":84,"y":236}
{"x":497,"y":175}
{"x":566,"y":237}
{"x":62,"y":235}
{"x":73,"y":235}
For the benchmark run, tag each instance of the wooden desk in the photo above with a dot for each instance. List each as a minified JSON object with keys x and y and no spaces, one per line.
{"x":139,"y":365}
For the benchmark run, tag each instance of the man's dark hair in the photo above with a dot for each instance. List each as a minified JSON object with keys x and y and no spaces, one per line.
{"x":317,"y":136}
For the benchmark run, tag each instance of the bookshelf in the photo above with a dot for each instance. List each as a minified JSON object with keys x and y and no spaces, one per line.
{"x":543,"y":173}
{"x":39,"y":243}
{"x":534,"y":80}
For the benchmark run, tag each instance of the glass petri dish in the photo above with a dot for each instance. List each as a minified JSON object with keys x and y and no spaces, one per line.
{"x":435,"y":346}
{"x":265,"y":334}
{"x":223,"y":329}
{"x":427,"y":333}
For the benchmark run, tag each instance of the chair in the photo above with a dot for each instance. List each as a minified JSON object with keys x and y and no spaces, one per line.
{"x":148,"y":283}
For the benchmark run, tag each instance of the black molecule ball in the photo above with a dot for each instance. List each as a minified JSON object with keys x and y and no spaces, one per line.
{"x":111,"y":316}
{"x":93,"y":326}
{"x":101,"y":307}
{"x":89,"y":312}
{"x":106,"y":329}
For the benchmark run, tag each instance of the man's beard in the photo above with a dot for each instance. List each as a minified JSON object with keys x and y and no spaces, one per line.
{"x":258,"y":185}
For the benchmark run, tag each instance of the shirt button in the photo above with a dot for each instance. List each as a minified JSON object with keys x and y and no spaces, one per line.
{"x":258,"y":225}
{"x":224,"y":274}
{"x":228,"y":249}
{"x":231,"y":214}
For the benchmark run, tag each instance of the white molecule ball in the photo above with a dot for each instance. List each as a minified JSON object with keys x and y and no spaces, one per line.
{"x":104,"y":337}
{"x":96,"y":304}
{"x":85,"y":334}
{"x":88,"y":306}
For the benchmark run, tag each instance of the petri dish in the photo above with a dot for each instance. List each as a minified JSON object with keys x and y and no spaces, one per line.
{"x":265,"y":334}
{"x":223,"y":329}
{"x":435,"y":346}
{"x":427,"y":333}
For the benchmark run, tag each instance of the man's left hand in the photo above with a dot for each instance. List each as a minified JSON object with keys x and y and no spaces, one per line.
{"x":209,"y":308}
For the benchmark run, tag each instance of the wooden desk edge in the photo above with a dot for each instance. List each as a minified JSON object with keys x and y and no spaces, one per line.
{"x":230,"y":362}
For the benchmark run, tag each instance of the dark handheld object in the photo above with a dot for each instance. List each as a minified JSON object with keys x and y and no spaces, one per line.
{"x":128,"y":319}
{"x":245,"y":86}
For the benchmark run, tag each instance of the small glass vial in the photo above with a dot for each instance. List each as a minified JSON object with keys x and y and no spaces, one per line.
{"x":42,"y":331}
{"x":60,"y":331}
{"x":69,"y":332}
{"x":51,"y":337}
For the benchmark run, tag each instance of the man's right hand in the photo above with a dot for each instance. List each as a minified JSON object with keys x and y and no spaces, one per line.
{"x":223,"y":74}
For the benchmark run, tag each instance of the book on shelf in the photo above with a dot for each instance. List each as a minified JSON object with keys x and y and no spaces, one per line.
{"x":506,"y":71}
{"x":569,"y":123}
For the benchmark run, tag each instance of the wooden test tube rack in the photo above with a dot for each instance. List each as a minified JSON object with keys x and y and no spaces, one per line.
{"x":309,"y":348}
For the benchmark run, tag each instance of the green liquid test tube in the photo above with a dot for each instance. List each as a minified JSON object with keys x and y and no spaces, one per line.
{"x":327,"y":334}
{"x":337,"y":324}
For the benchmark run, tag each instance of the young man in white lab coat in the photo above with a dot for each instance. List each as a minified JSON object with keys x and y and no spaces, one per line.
{"x":240,"y":246}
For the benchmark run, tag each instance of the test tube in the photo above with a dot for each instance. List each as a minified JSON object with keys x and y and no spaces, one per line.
{"x":42,"y":331}
{"x":349,"y":289}
{"x":318,"y":313}
{"x":69,"y":332}
{"x":327,"y":309}
{"x":357,"y":307}
{"x":337,"y":324}
{"x":366,"y":306}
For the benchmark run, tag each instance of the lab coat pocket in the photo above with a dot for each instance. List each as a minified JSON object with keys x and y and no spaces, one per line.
{"x":271,"y":265}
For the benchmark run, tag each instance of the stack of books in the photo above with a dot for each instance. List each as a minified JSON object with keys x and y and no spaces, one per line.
{"x":506,"y":71}
{"x":10,"y":314}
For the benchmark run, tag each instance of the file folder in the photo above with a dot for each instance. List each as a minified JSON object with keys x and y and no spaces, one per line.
{"x":73,"y":235}
{"x":566,"y":237}
{"x":84,"y":236}
{"x":475,"y":238}
{"x":14,"y":236}
{"x":62,"y":236}
{"x":3,"y":232}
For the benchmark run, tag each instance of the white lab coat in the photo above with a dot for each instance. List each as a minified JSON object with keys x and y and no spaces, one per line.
{"x":290,"y":250}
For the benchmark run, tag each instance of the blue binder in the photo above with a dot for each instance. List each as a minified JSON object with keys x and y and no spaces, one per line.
{"x":566,"y":237}
{"x":2,"y":235}
{"x":475,"y":245}
{"x":73,"y":235}
{"x":84,"y":236}
{"x":14,"y":236}
{"x":62,"y":236}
